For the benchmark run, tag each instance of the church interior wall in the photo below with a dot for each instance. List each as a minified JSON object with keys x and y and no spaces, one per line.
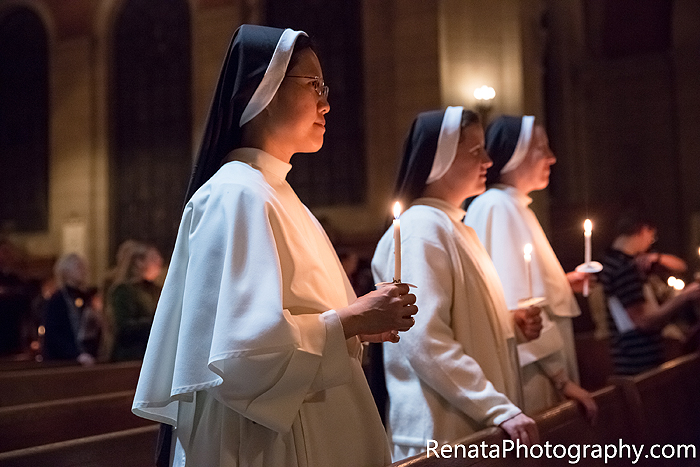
{"x":619,"y":110}
{"x":402,"y":79}
{"x":686,"y":63}
{"x":619,"y":125}
{"x":72,"y":161}
{"x":79,"y":69}
{"x":501,"y":45}
{"x":211,"y":33}
{"x":480,"y":44}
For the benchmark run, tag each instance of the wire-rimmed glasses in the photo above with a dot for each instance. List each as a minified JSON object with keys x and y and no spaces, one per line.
{"x":319,"y":85}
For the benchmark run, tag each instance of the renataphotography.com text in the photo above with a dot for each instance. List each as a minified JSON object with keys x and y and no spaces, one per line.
{"x":574,"y":453}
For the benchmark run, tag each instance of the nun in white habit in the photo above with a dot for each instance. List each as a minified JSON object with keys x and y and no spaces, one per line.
{"x":504,"y":223}
{"x":254,"y":355}
{"x":456,"y":371}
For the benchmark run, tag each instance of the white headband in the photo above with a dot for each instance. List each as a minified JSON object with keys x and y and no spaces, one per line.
{"x":447,"y":143}
{"x":521,"y":148}
{"x":273,"y":75}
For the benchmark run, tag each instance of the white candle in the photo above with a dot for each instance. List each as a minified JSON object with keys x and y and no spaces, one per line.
{"x":527,"y":254}
{"x":587,"y":229}
{"x":397,"y":242}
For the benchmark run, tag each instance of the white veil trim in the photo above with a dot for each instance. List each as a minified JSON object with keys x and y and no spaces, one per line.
{"x":447,"y":143}
{"x":273,"y":75}
{"x":521,"y":148}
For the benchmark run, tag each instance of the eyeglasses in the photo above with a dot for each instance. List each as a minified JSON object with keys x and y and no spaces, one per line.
{"x":319,"y":86}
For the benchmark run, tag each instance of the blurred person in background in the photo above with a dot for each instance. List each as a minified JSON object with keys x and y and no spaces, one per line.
{"x":636,"y":318}
{"x":132,"y":301}
{"x":71,"y":324}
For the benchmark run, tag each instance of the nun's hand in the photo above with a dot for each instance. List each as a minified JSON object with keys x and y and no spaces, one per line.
{"x":577,"y":279}
{"x":523,"y":428}
{"x":389,"y":336}
{"x":575,"y":392}
{"x":529,"y":321}
{"x":390,"y":308}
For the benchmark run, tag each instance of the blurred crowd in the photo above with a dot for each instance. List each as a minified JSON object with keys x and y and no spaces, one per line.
{"x":65,"y":317}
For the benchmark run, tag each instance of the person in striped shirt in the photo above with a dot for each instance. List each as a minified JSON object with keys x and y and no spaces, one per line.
{"x":635,"y":318}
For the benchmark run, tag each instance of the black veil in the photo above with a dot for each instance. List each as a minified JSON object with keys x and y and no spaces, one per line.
{"x":418,"y":156}
{"x":249,"y":54}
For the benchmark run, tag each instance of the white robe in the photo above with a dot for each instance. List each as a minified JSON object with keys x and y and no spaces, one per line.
{"x":455,"y":371}
{"x":504,"y":223}
{"x":247,"y":357}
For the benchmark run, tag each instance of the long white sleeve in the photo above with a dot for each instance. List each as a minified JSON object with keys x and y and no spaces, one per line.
{"x":236,"y":338}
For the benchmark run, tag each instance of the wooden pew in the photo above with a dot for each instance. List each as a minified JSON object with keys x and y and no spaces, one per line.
{"x":564,"y":424}
{"x":661,"y":406}
{"x":664,"y":405}
{"x":27,"y":425}
{"x":593,"y":358}
{"x":27,"y":363}
{"x":38,"y":385}
{"x":456,"y":458}
{"x":128,"y":448}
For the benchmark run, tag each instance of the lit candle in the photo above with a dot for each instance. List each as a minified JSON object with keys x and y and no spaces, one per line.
{"x":587,"y":229}
{"x":527,"y":254}
{"x":397,"y":242}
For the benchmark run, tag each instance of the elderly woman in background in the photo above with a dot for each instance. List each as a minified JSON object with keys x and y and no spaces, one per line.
{"x":71,"y":324}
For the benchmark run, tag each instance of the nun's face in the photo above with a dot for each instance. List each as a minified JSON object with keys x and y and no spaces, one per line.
{"x":538,"y":160}
{"x":471,"y":161}
{"x":296,"y":115}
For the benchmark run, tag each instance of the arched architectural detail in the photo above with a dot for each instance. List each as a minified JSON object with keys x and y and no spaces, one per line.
{"x":150,"y":120}
{"x":38,"y":8}
{"x":24,"y":120}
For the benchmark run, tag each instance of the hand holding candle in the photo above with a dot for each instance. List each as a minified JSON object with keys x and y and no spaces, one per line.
{"x":397,"y":242}
{"x":588,"y":266}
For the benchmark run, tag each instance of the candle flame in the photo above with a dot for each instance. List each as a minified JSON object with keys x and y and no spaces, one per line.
{"x":679,"y":284}
{"x":671,"y":281}
{"x":588,"y":226}
{"x":397,"y":210}
{"x":528,"y":251}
